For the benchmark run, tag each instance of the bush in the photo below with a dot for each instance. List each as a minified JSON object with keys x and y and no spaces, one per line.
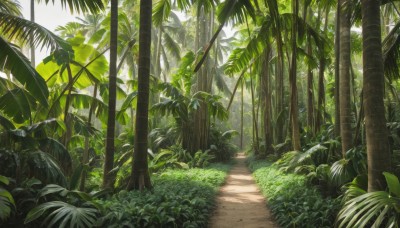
{"x":292,"y":202}
{"x":180,"y":198}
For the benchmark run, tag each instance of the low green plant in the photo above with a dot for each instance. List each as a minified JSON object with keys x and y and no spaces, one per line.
{"x":7,"y":204}
{"x":60,"y":207}
{"x":292,"y":201}
{"x":201,"y":159}
{"x":180,"y":198}
{"x":371,"y":209}
{"x":220,"y":144}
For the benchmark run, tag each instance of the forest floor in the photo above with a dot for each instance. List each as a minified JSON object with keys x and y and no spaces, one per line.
{"x":240,"y":202}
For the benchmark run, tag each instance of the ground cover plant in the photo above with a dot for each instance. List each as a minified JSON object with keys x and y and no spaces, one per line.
{"x":180,"y":198}
{"x":292,"y":201}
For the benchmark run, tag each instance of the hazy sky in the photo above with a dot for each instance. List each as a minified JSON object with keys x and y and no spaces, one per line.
{"x":50,"y":16}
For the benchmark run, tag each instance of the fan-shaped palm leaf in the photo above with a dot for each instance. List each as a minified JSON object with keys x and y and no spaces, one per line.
{"x":46,"y":168}
{"x":373,"y":209}
{"x":62,"y":215}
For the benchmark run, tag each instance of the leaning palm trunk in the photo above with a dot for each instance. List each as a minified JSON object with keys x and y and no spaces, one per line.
{"x":140,"y":178}
{"x":375,"y":122}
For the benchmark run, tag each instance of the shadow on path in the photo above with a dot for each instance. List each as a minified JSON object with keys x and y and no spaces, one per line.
{"x":240,"y":203}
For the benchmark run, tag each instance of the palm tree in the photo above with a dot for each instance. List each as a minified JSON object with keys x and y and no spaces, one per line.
{"x":373,"y":86}
{"x":140,"y":178}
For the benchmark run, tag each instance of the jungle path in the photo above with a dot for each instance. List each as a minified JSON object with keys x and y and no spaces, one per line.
{"x":240,"y":203}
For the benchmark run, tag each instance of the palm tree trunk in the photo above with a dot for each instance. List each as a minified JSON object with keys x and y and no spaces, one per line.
{"x":337,"y":70}
{"x":31,"y":44}
{"x":85,"y":157}
{"x":266,"y":98}
{"x":373,"y":83}
{"x":321,"y":88}
{"x":140,"y":178}
{"x":279,"y":88}
{"x":292,"y":79}
{"x":241,"y":116}
{"x":344,"y":88}
{"x":108,"y":177}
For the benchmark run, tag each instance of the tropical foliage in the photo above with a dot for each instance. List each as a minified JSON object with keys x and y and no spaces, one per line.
{"x":318,"y":96}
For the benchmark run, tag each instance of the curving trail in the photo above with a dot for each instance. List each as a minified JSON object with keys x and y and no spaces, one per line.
{"x":240,"y":203}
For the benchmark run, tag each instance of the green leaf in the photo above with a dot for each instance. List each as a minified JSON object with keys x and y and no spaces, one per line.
{"x":14,"y":61}
{"x":6,"y":204}
{"x":393,"y":183}
{"x":4,"y":180}
{"x":16,"y":104}
{"x":78,"y":6}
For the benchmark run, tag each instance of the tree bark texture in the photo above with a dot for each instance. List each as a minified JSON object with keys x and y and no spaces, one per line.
{"x":140,"y":178}
{"x":108,"y":178}
{"x":292,"y":81}
{"x":373,"y":83}
{"x":344,"y":81}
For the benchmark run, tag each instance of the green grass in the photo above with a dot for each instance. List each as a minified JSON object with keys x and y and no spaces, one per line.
{"x":180,"y":198}
{"x":292,"y":202}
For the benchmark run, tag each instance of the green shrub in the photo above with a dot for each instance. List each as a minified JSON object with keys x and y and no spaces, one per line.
{"x":180,"y":198}
{"x":292,"y":202}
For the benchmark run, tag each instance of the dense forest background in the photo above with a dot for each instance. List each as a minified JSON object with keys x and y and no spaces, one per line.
{"x":135,"y":88}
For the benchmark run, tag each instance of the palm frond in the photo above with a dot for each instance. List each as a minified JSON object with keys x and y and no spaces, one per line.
{"x":45,"y":168}
{"x":58,"y":152}
{"x":236,"y":10}
{"x":61,"y":214}
{"x":161,"y":11}
{"x":14,"y":61}
{"x":11,"y":7}
{"x":78,"y":6}
{"x":172,"y":46}
{"x":241,"y":57}
{"x":391,"y":53}
{"x":14,"y":27}
{"x":16,"y":105}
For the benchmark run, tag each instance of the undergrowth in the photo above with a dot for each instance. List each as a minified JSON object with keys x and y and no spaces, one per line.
{"x":291,"y":200}
{"x":180,"y":198}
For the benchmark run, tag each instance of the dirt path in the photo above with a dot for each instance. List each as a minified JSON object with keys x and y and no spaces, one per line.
{"x":240,"y":203}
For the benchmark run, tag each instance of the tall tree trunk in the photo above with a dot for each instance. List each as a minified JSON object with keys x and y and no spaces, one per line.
{"x":344,"y":80}
{"x":108,"y":177}
{"x":241,"y":115}
{"x":321,"y":88}
{"x":337,"y":71}
{"x":293,"y":85}
{"x":140,"y":178}
{"x":279,"y":131}
{"x":85,"y":157}
{"x":201,"y":119}
{"x":266,"y":101}
{"x":31,"y":44}
{"x":373,"y":83}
